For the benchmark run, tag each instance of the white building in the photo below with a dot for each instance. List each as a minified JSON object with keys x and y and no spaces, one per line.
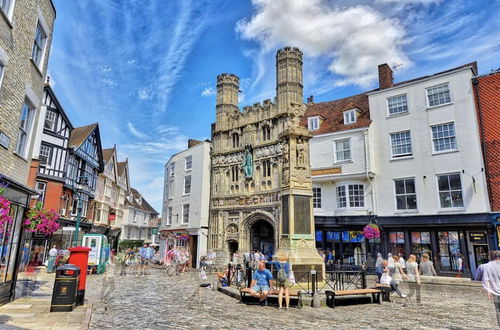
{"x":431,"y":193}
{"x":342,"y":174}
{"x":139,"y":218}
{"x":186,"y":201}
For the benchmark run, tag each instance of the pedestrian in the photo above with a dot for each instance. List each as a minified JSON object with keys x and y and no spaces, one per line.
{"x":261,"y":283}
{"x":402,"y":261}
{"x":390,"y":263}
{"x":413,"y":278}
{"x":236,"y":258}
{"x":379,"y":260}
{"x":122,"y":261}
{"x":398,"y":271}
{"x":26,"y":257}
{"x":51,"y":262}
{"x":283,"y":279}
{"x":491,"y":280}
{"x":427,"y":267}
{"x":384,"y":277}
{"x":143,"y":259}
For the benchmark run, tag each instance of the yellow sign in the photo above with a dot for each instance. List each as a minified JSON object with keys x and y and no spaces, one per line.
{"x":326,"y":171}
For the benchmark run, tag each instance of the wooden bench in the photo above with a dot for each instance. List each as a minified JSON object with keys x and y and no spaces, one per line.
{"x":386,"y":291}
{"x":331,"y":295}
{"x":295,"y":296}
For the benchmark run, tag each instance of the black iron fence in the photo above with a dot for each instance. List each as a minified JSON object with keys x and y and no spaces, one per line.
{"x":336,"y":278}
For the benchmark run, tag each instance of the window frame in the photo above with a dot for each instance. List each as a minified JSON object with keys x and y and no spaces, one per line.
{"x":184,"y":214}
{"x":54,"y":123}
{"x":450,"y":191}
{"x":266,"y":168}
{"x":8,"y":13}
{"x":405,"y":194}
{"x":347,"y":196}
{"x":389,"y":114}
{"x":169,"y":216}
{"x":429,"y":106}
{"x":187,"y":185}
{"x":434,"y":151}
{"x":188,"y":160}
{"x":236,"y":140}
{"x":172,"y":169}
{"x":42,"y":48}
{"x":26,"y":131}
{"x":400,"y":156}
{"x":48,"y":161}
{"x":348,"y":114}
{"x":2,"y":70}
{"x":317,"y":198}
{"x":311,"y":121}
{"x":42,"y":191}
{"x":335,"y":150}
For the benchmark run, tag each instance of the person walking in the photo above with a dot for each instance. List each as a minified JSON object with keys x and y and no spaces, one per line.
{"x":379,"y":260}
{"x":491,"y":280}
{"x":122,"y":261}
{"x":51,"y":262}
{"x":427,"y":267}
{"x":402,"y":261}
{"x":282,"y":280}
{"x":413,"y":274}
{"x":398,"y":271}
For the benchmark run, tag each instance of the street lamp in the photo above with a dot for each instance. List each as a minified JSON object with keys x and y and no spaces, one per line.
{"x":84,"y":182}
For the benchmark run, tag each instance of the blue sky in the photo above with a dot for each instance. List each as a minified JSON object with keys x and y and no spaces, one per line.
{"x":146,"y":69}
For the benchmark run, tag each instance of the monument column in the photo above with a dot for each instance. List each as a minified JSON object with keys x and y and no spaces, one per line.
{"x":297,"y":220}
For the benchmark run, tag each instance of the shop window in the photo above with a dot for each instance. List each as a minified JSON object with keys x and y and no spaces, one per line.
{"x":421,"y":243}
{"x":397,"y":242}
{"x":8,"y":247}
{"x":450,"y":257}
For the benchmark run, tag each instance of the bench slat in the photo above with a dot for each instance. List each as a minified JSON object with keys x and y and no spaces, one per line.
{"x":356,"y":292}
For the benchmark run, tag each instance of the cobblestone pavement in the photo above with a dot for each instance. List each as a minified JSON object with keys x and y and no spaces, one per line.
{"x":157,"y":301}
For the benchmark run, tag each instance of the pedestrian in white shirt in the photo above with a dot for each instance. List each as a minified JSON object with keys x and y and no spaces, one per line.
{"x":402,"y":261}
{"x":491,"y":281}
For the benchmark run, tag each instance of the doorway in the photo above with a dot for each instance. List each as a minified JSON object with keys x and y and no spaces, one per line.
{"x":262,"y":237}
{"x":480,"y":254}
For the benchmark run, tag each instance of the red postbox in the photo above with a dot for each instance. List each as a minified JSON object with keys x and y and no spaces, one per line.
{"x":80,"y":257}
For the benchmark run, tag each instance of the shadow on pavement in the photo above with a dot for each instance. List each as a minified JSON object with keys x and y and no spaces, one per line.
{"x":4,"y":319}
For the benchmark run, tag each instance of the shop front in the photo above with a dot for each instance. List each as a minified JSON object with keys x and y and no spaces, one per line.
{"x":14,"y":198}
{"x":172,"y":239}
{"x":343,"y":236}
{"x":457,"y":244}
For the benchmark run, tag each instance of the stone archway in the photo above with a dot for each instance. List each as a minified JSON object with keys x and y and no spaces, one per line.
{"x":260,"y":232}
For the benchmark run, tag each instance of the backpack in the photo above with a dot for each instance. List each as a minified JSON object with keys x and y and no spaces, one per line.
{"x":281,"y":277}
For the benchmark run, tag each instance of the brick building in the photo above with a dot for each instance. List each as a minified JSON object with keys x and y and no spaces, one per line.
{"x":487,"y":97}
{"x":25,"y":39}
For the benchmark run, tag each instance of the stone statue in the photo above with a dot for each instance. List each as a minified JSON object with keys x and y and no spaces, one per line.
{"x":247,"y":164}
{"x":300,"y":152}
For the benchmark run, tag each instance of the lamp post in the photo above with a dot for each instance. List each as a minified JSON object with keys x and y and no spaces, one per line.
{"x":79,"y":207}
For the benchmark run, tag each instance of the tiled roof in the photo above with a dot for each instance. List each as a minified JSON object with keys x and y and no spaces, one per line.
{"x":79,"y":134}
{"x":144,"y":205}
{"x":121,"y":166}
{"x":332,"y":114}
{"x":107,"y":153}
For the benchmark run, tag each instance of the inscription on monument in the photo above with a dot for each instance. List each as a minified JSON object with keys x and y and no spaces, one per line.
{"x":302,"y":214}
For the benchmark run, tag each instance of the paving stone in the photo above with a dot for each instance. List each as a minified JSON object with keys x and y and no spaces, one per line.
{"x":161,"y":302}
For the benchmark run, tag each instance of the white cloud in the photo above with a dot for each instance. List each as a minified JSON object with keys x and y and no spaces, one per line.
{"x":135,"y":132}
{"x":355,"y":39}
{"x":208,"y":91}
{"x":145,"y":93}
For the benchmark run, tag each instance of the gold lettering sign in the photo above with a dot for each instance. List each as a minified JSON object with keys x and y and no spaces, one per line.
{"x":326,"y":171}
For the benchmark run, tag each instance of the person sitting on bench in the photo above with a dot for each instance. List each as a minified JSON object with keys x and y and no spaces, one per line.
{"x":261,"y":283}
{"x":384,"y":278}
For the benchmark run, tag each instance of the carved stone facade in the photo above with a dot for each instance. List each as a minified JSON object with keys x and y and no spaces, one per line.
{"x":259,"y":155}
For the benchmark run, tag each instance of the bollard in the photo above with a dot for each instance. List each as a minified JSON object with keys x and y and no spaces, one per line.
{"x":316,"y":300}
{"x":249,"y":276}
{"x":229,"y":274}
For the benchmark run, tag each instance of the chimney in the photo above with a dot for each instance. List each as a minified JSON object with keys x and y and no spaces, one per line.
{"x":310,"y":99}
{"x":193,"y":142}
{"x":385,"y":78}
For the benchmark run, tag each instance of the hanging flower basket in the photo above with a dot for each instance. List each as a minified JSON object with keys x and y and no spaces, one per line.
{"x":5,"y":218}
{"x":371,"y":231}
{"x":41,"y":220}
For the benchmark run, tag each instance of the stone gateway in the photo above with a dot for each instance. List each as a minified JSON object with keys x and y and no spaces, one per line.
{"x":261,"y":176}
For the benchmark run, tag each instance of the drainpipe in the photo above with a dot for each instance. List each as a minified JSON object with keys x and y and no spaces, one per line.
{"x":367,"y":159}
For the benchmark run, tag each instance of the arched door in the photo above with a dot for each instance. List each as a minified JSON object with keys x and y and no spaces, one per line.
{"x":262,"y":237}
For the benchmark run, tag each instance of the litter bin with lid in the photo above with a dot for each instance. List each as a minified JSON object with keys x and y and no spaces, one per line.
{"x":65,"y":291}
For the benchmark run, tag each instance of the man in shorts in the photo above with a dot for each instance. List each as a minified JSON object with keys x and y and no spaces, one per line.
{"x":261,"y":283}
{"x":144,"y":254}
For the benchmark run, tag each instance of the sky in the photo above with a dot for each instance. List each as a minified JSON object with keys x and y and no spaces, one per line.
{"x":145,"y":70}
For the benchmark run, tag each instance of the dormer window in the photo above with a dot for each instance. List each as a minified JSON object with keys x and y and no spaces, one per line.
{"x":349,"y":116}
{"x":313,"y":123}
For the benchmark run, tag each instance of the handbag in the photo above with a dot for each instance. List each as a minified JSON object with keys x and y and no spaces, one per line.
{"x":291,"y":277}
